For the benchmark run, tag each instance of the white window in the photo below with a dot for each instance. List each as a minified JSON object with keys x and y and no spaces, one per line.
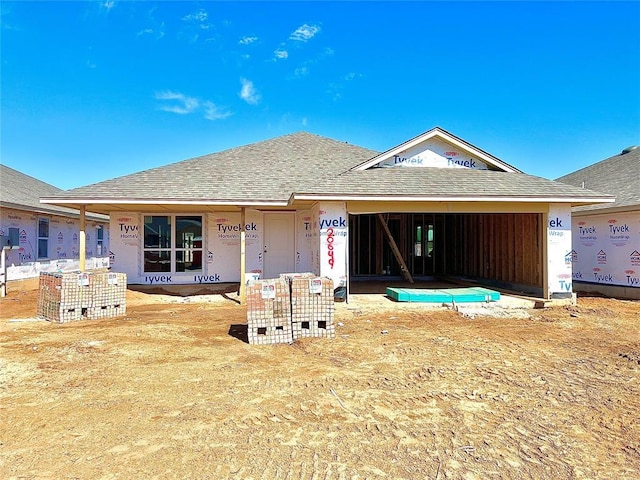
{"x":43,"y":237}
{"x":172,"y":243}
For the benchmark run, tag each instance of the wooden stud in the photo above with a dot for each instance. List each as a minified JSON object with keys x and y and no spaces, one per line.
{"x":541,"y":272}
{"x":511,"y":234}
{"x":394,"y":249}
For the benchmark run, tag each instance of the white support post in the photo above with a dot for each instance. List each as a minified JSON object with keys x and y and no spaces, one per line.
{"x":243,"y":257}
{"x":3,"y":272}
{"x":83,"y":239}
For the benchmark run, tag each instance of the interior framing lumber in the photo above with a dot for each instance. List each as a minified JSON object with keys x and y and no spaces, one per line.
{"x":394,"y":248}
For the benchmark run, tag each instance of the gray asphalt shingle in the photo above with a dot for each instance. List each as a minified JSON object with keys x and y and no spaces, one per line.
{"x":446,"y":182}
{"x":274,"y":169}
{"x":270,"y":170}
{"x":23,"y":192}
{"x":618,"y":175}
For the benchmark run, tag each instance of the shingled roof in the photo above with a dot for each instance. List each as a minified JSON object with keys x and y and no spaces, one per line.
{"x":286,"y":168}
{"x":270,"y":170}
{"x":23,"y":192}
{"x":617,"y":176}
{"x":450,"y":184}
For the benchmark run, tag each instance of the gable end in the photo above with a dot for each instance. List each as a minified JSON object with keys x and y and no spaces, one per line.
{"x":436,"y":148}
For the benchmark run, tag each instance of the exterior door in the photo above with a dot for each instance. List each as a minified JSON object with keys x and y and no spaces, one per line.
{"x":279,"y":244}
{"x":421,"y":247}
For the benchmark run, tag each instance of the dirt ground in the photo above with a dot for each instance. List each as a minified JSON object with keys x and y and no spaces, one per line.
{"x":173,"y":391}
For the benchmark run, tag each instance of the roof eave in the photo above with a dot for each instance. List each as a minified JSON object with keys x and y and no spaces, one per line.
{"x":606,"y":210}
{"x":65,"y":202}
{"x":51,"y":211}
{"x":574,"y":201}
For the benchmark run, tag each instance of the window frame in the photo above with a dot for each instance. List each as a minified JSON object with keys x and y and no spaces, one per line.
{"x":99,"y":240}
{"x":13,"y":237}
{"x":42,"y":238}
{"x":173,"y":250}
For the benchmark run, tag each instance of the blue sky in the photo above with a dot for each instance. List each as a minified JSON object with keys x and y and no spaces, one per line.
{"x":95,"y":90}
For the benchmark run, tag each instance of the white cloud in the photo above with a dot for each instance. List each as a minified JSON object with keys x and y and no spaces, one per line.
{"x":213,"y":112}
{"x":304,"y":33}
{"x":152,"y":26}
{"x":247,"y":40}
{"x":197,"y":17}
{"x":280,"y":54}
{"x":305,"y":68}
{"x":108,"y":5}
{"x":249,"y":93}
{"x":159,"y":33}
{"x":184,"y":103}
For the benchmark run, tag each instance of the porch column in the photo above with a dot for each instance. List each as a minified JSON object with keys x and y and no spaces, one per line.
{"x":243,"y":257}
{"x":83,"y":238}
{"x":3,"y":272}
{"x":332,"y":242}
{"x":557,"y":266}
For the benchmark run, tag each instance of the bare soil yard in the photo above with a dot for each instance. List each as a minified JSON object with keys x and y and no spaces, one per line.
{"x":172,"y":391}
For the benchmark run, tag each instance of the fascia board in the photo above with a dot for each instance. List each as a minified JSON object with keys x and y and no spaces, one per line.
{"x":134,"y":201}
{"x":388,"y":198}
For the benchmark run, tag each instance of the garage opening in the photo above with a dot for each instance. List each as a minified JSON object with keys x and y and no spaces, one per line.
{"x":371,"y":251}
{"x":503,"y":250}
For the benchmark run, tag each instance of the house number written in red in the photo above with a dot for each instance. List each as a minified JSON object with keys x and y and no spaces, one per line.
{"x":330,"y":239}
